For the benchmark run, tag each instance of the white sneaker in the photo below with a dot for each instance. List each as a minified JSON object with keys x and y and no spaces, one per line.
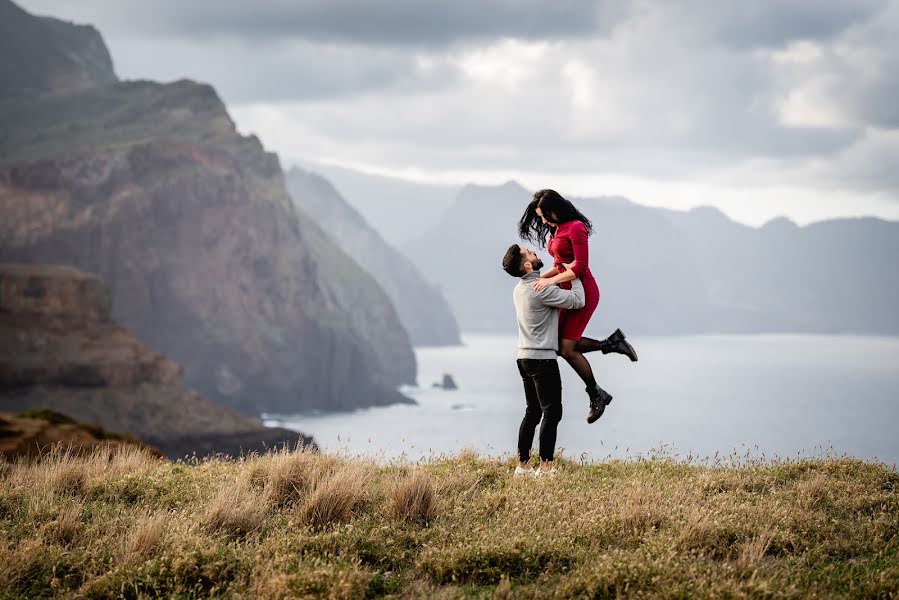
{"x":520,"y":472}
{"x":538,"y":473}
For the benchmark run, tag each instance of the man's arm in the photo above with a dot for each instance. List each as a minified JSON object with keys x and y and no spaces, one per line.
{"x":555,"y":296}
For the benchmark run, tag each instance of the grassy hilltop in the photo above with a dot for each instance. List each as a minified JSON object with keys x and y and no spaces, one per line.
{"x":121,"y":523}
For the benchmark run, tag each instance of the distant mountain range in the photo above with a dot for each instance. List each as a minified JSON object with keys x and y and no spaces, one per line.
{"x":398,"y":209}
{"x":670,"y":272}
{"x":421,"y":307}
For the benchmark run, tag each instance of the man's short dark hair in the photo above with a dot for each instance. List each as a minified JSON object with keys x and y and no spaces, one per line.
{"x":512,"y":261}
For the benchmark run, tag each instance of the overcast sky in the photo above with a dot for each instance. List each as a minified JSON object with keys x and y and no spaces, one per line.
{"x":761,"y":108}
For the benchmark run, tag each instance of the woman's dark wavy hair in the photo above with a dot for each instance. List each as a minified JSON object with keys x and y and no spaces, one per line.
{"x":551,"y":204}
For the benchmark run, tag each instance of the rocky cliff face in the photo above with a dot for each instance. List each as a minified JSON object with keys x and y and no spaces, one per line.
{"x":422,"y":308}
{"x":207,"y":260}
{"x":61,"y":350}
{"x":42,"y":55}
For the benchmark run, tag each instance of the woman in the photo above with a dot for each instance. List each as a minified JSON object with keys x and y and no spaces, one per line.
{"x":549,"y":214}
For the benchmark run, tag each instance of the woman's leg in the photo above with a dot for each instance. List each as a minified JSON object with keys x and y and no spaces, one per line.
{"x":617,"y":343}
{"x":599,"y":398}
{"x":585,"y":345}
{"x":568,"y":351}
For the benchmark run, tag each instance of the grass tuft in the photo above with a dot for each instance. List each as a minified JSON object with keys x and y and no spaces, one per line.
{"x":66,"y":527}
{"x":289,"y":476}
{"x":334,"y":499}
{"x":236,"y":510}
{"x":413,"y":498}
{"x":145,"y":537}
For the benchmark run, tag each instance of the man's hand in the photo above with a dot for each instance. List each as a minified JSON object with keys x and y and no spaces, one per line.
{"x":569,"y":266}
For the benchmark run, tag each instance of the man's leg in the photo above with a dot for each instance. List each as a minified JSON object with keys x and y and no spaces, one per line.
{"x":548,"y":384}
{"x":532,"y":413}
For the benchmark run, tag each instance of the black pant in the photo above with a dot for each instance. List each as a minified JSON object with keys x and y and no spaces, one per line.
{"x":543,"y":392}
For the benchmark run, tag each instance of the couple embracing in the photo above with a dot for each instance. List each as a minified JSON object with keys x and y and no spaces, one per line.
{"x":553,"y":309}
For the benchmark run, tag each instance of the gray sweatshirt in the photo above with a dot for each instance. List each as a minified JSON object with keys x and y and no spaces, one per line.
{"x":538,"y":315}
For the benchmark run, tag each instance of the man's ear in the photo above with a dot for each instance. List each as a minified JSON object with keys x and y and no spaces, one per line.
{"x":526,"y":264}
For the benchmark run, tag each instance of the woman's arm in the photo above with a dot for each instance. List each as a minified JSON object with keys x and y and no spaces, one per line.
{"x":578,"y":235}
{"x":551,"y":273}
{"x":560,"y":278}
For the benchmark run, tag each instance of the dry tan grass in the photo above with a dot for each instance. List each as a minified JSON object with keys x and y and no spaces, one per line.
{"x":67,"y":525}
{"x":753,"y":550}
{"x":811,"y":492}
{"x":126,"y":460}
{"x":19,"y":563}
{"x":413,"y":499}
{"x":145,"y":536}
{"x":265,"y":583}
{"x":237,"y":510}
{"x":59,"y":472}
{"x":699,"y":532}
{"x":643,"y":529}
{"x":468,"y":454}
{"x":64,"y":470}
{"x":334,"y":499}
{"x":637,"y":509}
{"x":289,"y":476}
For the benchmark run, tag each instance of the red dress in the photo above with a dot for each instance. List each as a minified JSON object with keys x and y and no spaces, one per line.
{"x":569,"y":243}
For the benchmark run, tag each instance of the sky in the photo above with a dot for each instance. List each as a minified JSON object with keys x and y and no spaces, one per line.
{"x":762,"y":109}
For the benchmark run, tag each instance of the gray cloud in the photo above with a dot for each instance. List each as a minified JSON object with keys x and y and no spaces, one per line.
{"x":430,"y":24}
{"x":391,"y":22}
{"x":774,"y":23}
{"x":660,"y":90}
{"x":279,"y":71}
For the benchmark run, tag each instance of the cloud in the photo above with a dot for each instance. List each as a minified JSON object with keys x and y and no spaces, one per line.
{"x":782,"y":93}
{"x":850,"y":81}
{"x":771,"y":23}
{"x":286,"y":70}
{"x":388,"y":22}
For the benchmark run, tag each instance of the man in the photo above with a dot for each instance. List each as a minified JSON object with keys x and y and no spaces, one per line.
{"x":538,"y":343}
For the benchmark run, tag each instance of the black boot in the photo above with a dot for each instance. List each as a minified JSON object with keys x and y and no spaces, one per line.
{"x":599,"y":399}
{"x":618,"y":344}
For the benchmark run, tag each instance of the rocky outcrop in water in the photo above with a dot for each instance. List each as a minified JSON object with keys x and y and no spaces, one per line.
{"x":60,"y":349}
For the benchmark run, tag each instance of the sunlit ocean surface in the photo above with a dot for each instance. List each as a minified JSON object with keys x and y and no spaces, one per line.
{"x":756,"y":396}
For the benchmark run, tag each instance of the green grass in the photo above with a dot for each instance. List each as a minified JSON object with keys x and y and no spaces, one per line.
{"x":123,"y":524}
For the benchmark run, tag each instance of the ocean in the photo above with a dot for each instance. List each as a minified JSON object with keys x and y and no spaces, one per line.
{"x":698,"y":398}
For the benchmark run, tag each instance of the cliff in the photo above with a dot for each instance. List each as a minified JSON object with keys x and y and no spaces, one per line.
{"x":421,"y":306}
{"x":61,"y":350}
{"x":45,"y":55}
{"x":207,"y":260}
